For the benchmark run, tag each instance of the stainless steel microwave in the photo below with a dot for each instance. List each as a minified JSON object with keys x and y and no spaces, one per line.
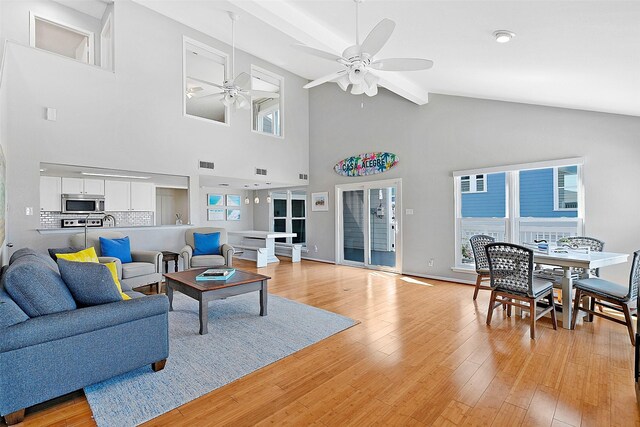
{"x":82,"y":203}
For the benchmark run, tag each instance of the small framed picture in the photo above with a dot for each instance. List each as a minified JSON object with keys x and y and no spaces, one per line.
{"x":233,"y":214}
{"x":215,"y":215}
{"x":233,"y":200}
{"x":320,"y":201}
{"x":215,"y":200}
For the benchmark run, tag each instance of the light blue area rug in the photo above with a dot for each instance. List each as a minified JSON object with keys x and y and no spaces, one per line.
{"x":239,"y":342}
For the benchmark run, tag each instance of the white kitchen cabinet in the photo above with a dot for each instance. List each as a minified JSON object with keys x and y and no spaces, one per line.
{"x":72,"y":185}
{"x":50,"y":192}
{"x":117,"y":196}
{"x":143,"y":196}
{"x":94,"y":186}
{"x":82,"y":186}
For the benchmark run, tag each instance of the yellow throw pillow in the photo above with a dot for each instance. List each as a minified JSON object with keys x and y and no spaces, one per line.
{"x":114,"y":273}
{"x":85,"y":255}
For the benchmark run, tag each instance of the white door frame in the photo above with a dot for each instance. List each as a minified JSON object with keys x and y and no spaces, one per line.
{"x":339,"y":229}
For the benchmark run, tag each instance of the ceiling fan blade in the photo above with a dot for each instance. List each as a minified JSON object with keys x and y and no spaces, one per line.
{"x":263,"y":94}
{"x":205,"y":82}
{"x":317,"y":52}
{"x":327,"y":78}
{"x":401,"y":64}
{"x":378,"y":37}
{"x":242,"y":81}
{"x":203,"y":93}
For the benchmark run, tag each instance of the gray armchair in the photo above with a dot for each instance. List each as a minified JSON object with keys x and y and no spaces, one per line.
{"x":191,"y":261}
{"x":146,"y":268}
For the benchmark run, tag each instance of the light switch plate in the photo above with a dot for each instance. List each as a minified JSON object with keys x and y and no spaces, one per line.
{"x":409,"y":211}
{"x":28,"y":211}
{"x":52,"y":114}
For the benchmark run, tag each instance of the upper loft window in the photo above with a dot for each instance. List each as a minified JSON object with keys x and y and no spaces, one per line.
{"x":566,"y":188}
{"x":473,"y":183}
{"x":265,"y":110}
{"x":64,"y":39}
{"x":205,"y":69}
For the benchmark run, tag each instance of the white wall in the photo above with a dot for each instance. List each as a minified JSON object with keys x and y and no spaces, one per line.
{"x":132,"y":119}
{"x":454,"y":133}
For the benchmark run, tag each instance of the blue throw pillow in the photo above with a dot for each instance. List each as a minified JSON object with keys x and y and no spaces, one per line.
{"x":206,"y":244}
{"x":35,"y":287}
{"x":116,"y":248}
{"x":90,"y":283}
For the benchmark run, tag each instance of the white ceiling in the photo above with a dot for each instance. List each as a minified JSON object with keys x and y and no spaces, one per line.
{"x":575,"y":54}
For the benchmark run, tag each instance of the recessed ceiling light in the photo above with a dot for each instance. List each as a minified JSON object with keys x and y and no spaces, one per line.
{"x":224,"y":185}
{"x":503,"y":36}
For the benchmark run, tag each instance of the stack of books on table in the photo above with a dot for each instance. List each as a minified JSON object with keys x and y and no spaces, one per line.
{"x":215,"y":274}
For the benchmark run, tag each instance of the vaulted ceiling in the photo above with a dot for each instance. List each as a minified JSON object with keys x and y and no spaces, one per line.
{"x":574,"y":54}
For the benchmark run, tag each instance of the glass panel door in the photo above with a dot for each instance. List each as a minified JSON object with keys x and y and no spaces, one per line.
{"x":382,"y":227}
{"x":353,"y":226}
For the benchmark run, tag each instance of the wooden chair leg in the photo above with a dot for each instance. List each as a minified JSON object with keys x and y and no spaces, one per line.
{"x":492,"y":302}
{"x":14,"y":417}
{"x":478,"y":281}
{"x":629,"y":320}
{"x":576,"y":308}
{"x":592,"y":307}
{"x":509,"y":308}
{"x":554,"y":319}
{"x":532,"y":316}
{"x":159,"y":365}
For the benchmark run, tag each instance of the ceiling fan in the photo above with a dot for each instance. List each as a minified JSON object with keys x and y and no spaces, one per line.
{"x":358,"y":60}
{"x":236,"y":91}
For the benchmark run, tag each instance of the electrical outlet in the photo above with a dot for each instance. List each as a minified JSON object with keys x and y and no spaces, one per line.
{"x":431,"y":262}
{"x":315,"y":248}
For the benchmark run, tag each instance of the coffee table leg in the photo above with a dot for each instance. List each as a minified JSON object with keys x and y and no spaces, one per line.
{"x":170,"y":295}
{"x":204,"y":316}
{"x":263,"y":299}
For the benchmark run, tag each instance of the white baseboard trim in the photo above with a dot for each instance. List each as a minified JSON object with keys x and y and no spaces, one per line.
{"x":326,"y":261}
{"x":446,"y":279}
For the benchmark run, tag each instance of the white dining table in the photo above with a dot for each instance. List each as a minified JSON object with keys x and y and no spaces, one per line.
{"x":259,"y":245}
{"x":574,"y":259}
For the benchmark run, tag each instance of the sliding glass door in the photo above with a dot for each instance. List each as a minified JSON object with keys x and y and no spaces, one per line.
{"x":367,"y":225}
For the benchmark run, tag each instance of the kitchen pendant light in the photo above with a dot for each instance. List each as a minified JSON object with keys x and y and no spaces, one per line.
{"x":246,"y":200}
{"x":256,"y":199}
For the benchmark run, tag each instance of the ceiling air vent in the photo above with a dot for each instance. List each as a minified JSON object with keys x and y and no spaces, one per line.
{"x":206,"y":165}
{"x":261,"y":171}
{"x":303,"y":176}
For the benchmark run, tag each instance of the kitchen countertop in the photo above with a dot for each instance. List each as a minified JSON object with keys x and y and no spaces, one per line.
{"x":75,"y":230}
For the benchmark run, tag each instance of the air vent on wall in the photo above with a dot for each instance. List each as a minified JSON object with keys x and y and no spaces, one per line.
{"x":261,"y":171}
{"x":206,"y":165}
{"x":303,"y":176}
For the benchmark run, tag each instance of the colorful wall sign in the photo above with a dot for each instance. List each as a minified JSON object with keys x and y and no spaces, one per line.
{"x":366,"y":164}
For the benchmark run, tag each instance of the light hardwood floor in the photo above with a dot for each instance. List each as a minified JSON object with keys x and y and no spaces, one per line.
{"x":422,"y":355}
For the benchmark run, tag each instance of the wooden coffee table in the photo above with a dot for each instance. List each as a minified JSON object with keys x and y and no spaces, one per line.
{"x":240,"y":283}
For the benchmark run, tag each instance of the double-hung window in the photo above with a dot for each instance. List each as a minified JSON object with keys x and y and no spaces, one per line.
{"x":518,"y":204}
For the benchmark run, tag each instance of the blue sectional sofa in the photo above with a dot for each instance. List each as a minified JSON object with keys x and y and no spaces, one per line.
{"x":50,"y":347}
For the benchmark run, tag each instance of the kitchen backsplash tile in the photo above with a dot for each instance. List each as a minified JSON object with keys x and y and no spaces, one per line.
{"x":50,"y":219}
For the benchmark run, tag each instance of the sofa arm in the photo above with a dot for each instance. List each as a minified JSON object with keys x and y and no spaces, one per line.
{"x":186,"y":253}
{"x":108,"y":259}
{"x":152,"y":257}
{"x":39,"y":330}
{"x":227,"y":252}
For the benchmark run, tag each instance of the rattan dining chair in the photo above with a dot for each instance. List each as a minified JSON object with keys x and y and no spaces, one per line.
{"x":513,"y":284}
{"x":594,"y":245}
{"x":609,"y":294}
{"x":478,"y":244}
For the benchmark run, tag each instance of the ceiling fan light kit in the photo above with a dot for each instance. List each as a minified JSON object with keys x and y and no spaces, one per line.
{"x":358,"y":62}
